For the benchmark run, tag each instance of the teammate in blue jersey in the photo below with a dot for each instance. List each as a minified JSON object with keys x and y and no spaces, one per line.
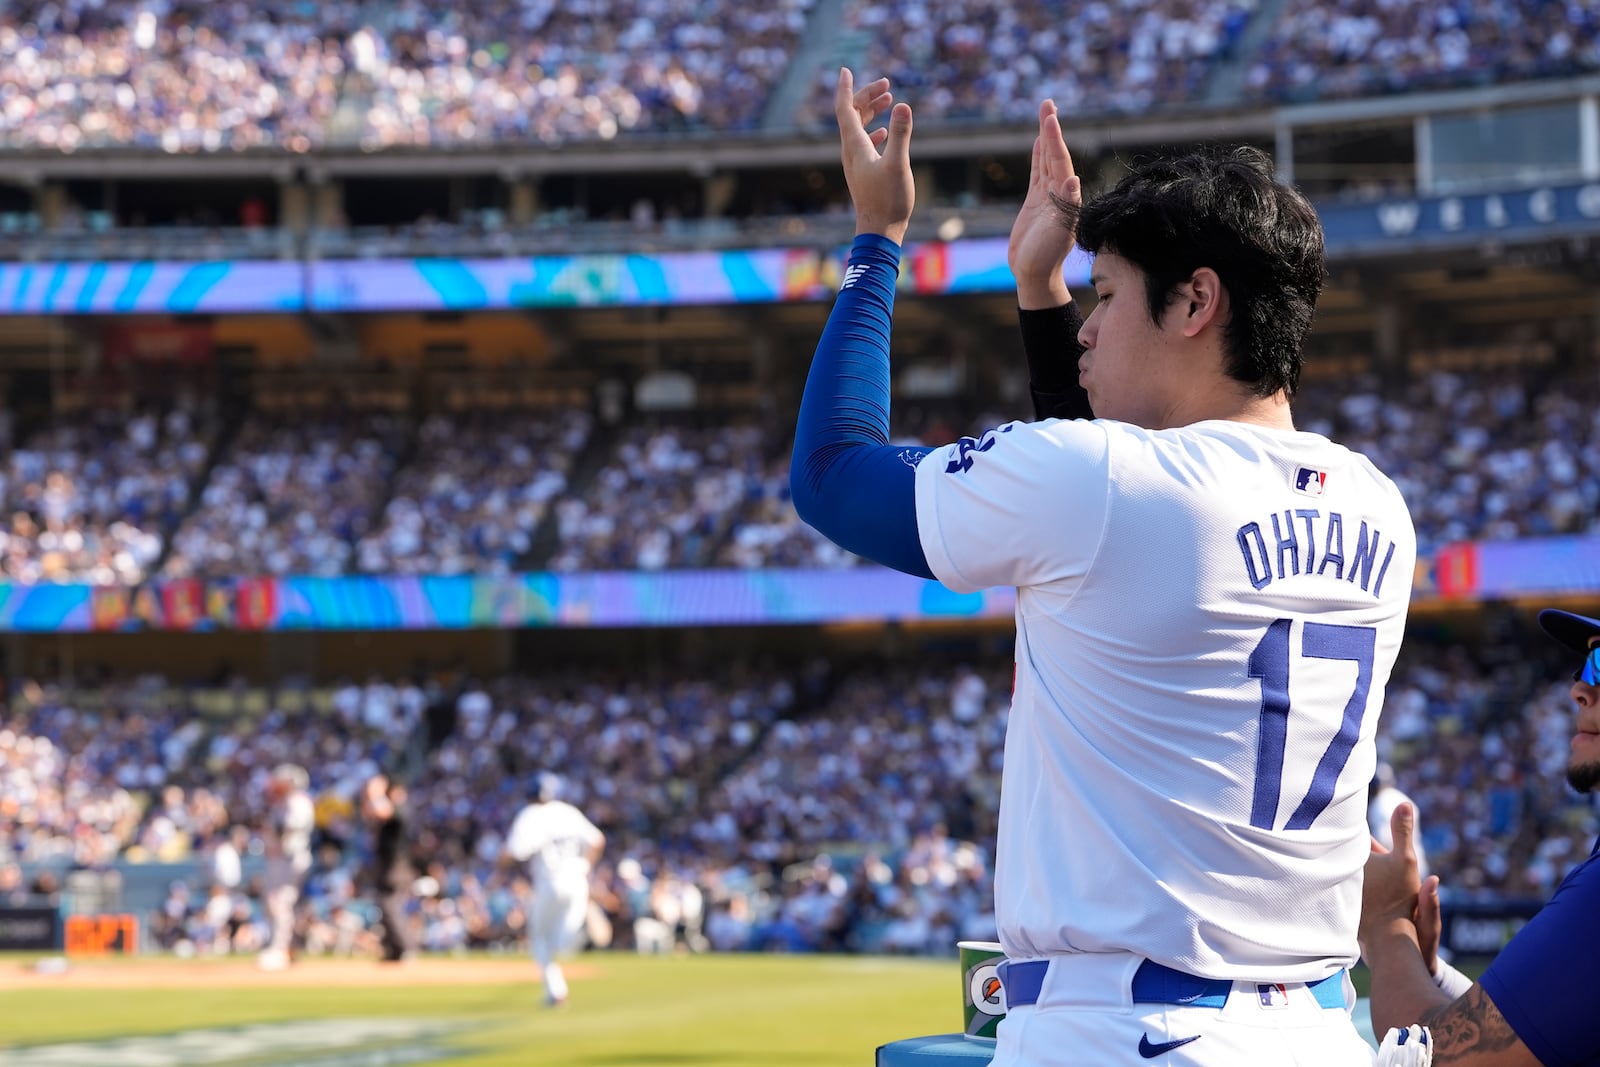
{"x":1209,"y":602}
{"x":1531,"y":1007}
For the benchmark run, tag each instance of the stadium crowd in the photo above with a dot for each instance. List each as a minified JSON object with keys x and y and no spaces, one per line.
{"x":439,"y":73}
{"x":289,"y":495}
{"x":993,"y":60}
{"x":181,"y":76}
{"x":189,"y":76}
{"x":664,"y":499}
{"x":476,"y":493}
{"x":192,"y":76}
{"x":92,"y":498}
{"x":1320,"y":50}
{"x":788,"y":808}
{"x":1484,"y":455}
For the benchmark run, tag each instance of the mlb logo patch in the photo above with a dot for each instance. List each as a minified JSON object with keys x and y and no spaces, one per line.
{"x":1309,"y":481}
{"x":1273,"y":996}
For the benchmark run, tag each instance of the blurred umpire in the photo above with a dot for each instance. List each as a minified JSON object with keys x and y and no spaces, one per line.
{"x":384,"y":804}
{"x":1531,"y":1007}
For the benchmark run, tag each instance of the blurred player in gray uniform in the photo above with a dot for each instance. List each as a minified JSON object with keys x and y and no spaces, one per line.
{"x":290,"y":820}
{"x":561,"y":846}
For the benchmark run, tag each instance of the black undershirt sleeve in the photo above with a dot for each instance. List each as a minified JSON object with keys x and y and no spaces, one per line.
{"x":1050,"y":343}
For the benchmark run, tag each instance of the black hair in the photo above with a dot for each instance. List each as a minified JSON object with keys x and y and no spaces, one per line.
{"x":1221,"y":208}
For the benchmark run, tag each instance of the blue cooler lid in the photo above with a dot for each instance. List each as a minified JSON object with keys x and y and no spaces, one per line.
{"x":959,"y":1050}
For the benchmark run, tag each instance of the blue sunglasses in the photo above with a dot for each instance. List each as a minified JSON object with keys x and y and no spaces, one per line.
{"x":1589,"y":673}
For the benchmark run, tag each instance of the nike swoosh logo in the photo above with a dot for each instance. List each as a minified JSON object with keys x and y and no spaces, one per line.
{"x":1150,"y":1052}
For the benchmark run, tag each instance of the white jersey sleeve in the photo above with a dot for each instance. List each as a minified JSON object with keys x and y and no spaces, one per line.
{"x":554,"y":837}
{"x":1024,"y":504}
{"x":527,"y":834}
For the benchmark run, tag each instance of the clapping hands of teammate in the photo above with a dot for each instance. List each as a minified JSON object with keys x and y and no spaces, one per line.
{"x":1043,"y":235}
{"x":1394,"y":900}
{"x":877,"y":166}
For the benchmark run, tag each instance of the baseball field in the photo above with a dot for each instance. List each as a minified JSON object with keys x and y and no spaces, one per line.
{"x":718,"y":1010}
{"x":816,"y":1011}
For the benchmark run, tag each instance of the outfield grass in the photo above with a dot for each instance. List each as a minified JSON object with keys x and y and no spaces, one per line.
{"x":714,"y":1010}
{"x":717,"y":1010}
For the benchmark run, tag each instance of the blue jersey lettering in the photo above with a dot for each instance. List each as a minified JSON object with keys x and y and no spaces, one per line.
{"x":969,"y":445}
{"x":1294,"y":541}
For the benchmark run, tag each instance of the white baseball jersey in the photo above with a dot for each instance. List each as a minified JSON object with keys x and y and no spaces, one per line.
{"x":1206,"y":619}
{"x":555,"y":838}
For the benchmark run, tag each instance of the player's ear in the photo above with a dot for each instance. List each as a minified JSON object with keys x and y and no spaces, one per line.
{"x":1203,"y":301}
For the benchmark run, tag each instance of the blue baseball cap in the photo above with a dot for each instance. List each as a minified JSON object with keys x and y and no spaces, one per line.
{"x":1574,"y":631}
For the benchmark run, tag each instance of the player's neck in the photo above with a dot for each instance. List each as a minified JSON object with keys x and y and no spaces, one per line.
{"x":1271,"y":412}
{"x":1225,"y":400}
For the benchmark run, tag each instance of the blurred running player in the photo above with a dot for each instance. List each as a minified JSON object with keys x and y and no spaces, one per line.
{"x":291,"y":818}
{"x":560,"y":846}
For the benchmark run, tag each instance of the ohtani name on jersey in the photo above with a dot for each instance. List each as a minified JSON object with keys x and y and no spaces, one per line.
{"x":1305,"y":541}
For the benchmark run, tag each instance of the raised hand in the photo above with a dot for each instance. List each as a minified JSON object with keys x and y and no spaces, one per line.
{"x":1043,"y":234}
{"x":877,"y":166}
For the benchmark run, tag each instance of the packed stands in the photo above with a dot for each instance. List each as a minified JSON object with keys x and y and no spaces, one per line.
{"x":767,"y":532}
{"x":1489,"y":454}
{"x":93,"y":497}
{"x":986,"y":59}
{"x":201,"y":77}
{"x":663,"y":499}
{"x":809,"y":807}
{"x":438,"y":73}
{"x":290,"y":495}
{"x":191,"y":76}
{"x":1321,"y":50}
{"x":475,"y":494}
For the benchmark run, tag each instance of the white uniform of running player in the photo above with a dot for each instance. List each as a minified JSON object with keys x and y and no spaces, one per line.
{"x":560,"y":844}
{"x":1206,"y":619}
{"x":290,"y":822}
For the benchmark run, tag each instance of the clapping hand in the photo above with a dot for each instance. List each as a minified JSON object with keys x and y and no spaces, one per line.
{"x":1046,"y":228}
{"x":877,"y":166}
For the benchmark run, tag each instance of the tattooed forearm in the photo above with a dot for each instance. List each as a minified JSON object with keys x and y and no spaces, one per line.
{"x":1469,"y":1026}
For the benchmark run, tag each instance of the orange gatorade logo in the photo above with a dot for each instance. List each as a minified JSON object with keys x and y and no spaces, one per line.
{"x":988,"y":995}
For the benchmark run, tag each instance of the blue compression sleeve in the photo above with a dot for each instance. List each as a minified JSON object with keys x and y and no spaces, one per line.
{"x":845,"y":477}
